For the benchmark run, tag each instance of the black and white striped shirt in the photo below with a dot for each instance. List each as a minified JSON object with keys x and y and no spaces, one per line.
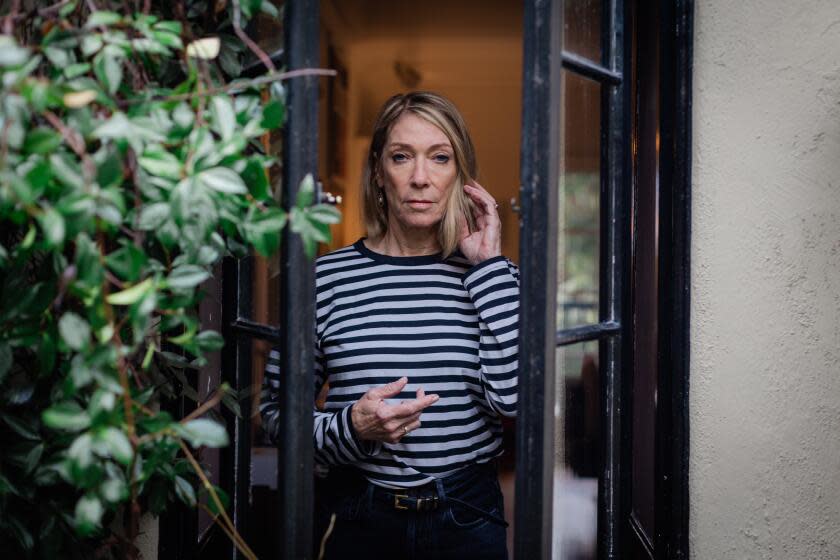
{"x":448,"y":326}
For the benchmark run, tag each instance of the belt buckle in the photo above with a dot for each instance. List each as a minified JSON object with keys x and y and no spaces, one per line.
{"x":397,"y":504}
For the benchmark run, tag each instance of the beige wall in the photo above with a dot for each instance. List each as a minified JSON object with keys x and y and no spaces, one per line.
{"x":765,"y":363}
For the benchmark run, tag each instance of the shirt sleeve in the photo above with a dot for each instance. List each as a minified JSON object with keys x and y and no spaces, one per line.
{"x":334,"y":438}
{"x":493,"y":286}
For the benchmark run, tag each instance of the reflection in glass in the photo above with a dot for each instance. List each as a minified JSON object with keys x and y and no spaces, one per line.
{"x":577,"y":461}
{"x":582,"y":28}
{"x":579,"y":211}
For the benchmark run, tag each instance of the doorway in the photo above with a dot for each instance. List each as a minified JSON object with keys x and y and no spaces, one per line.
{"x":471,"y":52}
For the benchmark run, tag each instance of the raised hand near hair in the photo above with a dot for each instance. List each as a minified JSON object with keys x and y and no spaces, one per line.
{"x":375,"y":420}
{"x":486,"y":241}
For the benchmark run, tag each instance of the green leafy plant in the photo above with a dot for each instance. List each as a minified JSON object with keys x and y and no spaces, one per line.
{"x":132,"y":159}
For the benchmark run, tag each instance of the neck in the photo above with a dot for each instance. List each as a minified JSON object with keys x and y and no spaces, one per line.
{"x":405,"y":242}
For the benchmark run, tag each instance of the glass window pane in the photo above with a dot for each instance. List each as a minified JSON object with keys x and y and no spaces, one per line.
{"x":577,"y":463}
{"x":580,"y":203}
{"x":582,"y":28}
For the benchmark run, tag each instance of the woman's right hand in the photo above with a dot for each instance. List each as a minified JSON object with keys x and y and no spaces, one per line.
{"x":375,"y":420}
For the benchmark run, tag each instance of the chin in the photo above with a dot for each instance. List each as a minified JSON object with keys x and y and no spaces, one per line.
{"x":422,"y":222}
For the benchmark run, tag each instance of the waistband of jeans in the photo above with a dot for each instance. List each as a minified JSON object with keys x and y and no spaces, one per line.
{"x":350,"y":477}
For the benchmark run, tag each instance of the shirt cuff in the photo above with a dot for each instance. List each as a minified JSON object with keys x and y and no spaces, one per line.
{"x":363,"y":448}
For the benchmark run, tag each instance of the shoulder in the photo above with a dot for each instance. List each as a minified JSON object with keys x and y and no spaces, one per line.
{"x":341,"y":264}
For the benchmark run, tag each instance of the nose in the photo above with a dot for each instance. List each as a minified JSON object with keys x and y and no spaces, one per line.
{"x":420,"y":174}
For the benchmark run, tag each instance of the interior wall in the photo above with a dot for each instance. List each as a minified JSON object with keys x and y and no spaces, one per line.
{"x":473,"y":56}
{"x":765,"y":343}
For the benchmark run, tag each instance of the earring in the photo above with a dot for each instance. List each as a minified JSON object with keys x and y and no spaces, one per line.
{"x":380,"y":199}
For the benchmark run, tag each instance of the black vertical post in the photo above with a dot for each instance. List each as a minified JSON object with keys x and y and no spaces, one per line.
{"x":540,"y":148}
{"x":236,"y":371}
{"x":297,"y":287}
{"x":615,"y":194}
{"x":672,"y":438}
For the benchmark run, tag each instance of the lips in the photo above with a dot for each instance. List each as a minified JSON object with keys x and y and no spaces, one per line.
{"x":419,"y":203}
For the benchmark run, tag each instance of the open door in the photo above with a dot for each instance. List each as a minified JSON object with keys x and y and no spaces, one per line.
{"x":602,"y":433}
{"x":573,"y":235}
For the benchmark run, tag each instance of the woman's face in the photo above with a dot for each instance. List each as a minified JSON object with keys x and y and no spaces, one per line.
{"x":418,"y":170}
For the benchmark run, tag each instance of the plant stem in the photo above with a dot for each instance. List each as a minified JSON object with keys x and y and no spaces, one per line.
{"x":231,"y":88}
{"x":237,"y":27}
{"x":237,"y":538}
{"x":213,"y":401}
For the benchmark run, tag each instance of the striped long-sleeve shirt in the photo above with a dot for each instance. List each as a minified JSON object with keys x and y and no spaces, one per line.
{"x":448,"y":326}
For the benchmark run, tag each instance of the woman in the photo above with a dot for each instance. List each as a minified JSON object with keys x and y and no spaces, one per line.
{"x":417,"y":336}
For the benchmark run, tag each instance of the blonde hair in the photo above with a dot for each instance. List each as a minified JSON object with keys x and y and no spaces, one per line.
{"x":442,"y":113}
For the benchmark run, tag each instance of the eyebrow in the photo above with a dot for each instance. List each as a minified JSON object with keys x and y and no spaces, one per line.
{"x":409,"y":146}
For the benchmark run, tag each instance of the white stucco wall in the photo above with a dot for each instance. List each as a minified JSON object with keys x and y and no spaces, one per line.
{"x":765,"y":364}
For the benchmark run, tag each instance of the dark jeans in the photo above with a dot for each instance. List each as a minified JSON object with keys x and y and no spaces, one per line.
{"x":467,"y":523}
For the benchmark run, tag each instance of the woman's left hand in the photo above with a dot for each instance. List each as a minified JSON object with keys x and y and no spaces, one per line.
{"x":486,"y":242}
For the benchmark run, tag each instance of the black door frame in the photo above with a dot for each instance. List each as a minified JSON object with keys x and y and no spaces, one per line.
{"x":540,"y":147}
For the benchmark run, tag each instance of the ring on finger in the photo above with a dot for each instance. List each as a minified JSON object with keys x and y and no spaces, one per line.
{"x":405,"y":429}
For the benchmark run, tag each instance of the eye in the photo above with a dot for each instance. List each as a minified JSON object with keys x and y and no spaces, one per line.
{"x":398,"y":157}
{"x":442,"y":158}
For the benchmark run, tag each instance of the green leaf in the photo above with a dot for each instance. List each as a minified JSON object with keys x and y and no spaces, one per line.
{"x":24,"y":427}
{"x":114,"y":490}
{"x":75,"y":331}
{"x":52,"y":224}
{"x":33,"y":457}
{"x":224,"y":117}
{"x":66,"y":416}
{"x":187,"y":276}
{"x":10,"y":53}
{"x":185,"y":491}
{"x":169,"y":26}
{"x":306,"y":192}
{"x":127,"y":262}
{"x":222,"y":179}
{"x":58,"y":57}
{"x":132,"y":294}
{"x":153,"y":216}
{"x":91,"y":43}
{"x":103,"y":17}
{"x":118,"y":444}
{"x":325,"y":214}
{"x":273,"y":115}
{"x":209,"y":341}
{"x":310,"y":231}
{"x":88,"y":515}
{"x":263,"y":230}
{"x":256,"y":178}
{"x":108,"y":69}
{"x":67,"y":9}
{"x":161,"y":162}
{"x":183,"y":116}
{"x":267,"y":7}
{"x":109,"y":171}
{"x":203,"y":432}
{"x":116,"y":127}
{"x":5,"y":360}
{"x":74,"y":71}
{"x":41,"y":140}
{"x":16,"y":528}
